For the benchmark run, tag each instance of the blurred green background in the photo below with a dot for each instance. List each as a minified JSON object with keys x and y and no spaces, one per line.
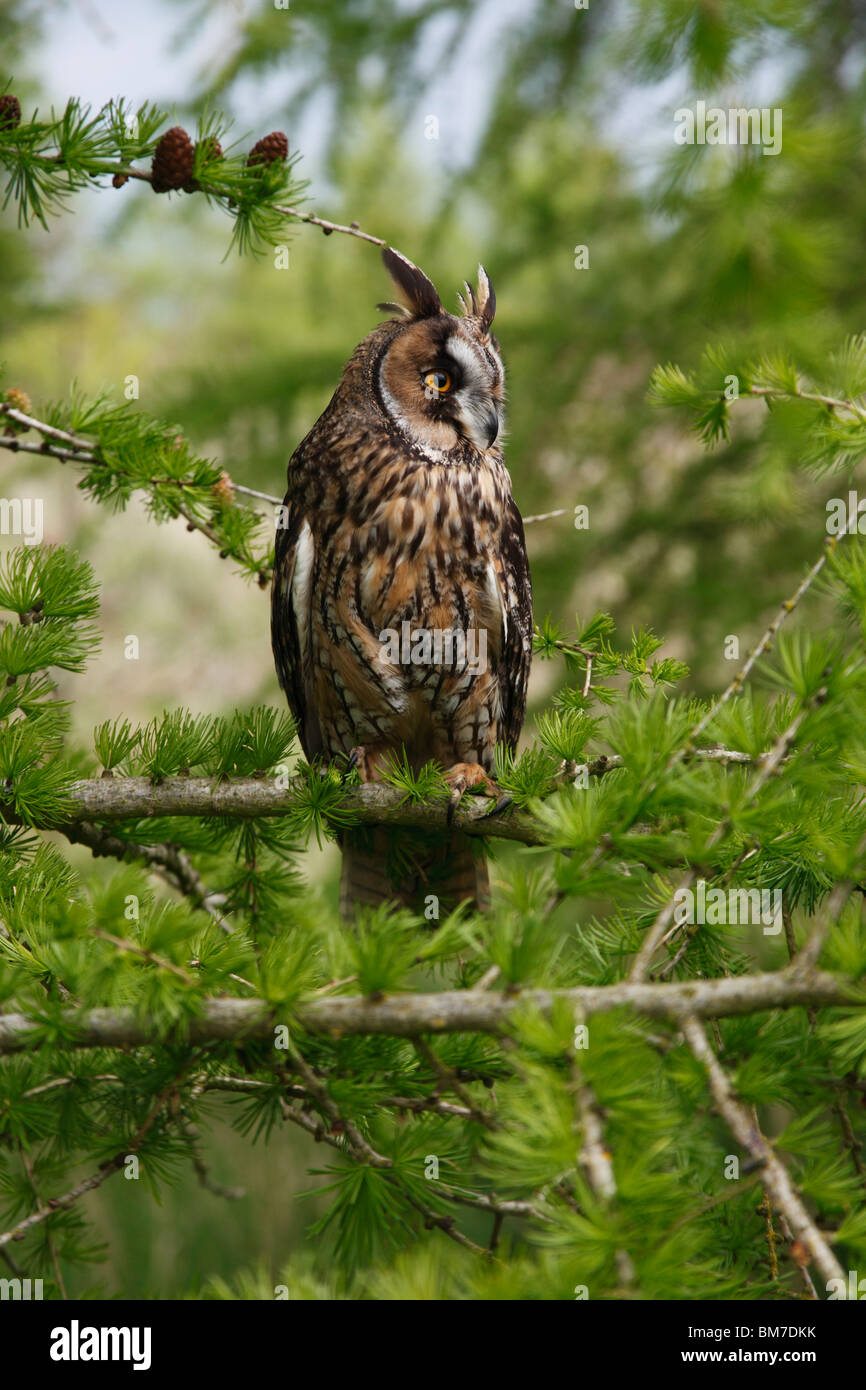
{"x":554,"y":131}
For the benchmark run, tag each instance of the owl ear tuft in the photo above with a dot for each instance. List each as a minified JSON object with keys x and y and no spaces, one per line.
{"x":486,"y":299}
{"x":479,"y":304}
{"x":419,"y":291}
{"x":395,"y":311}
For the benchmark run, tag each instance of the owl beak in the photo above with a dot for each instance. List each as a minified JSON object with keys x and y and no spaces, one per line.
{"x":478,"y":420}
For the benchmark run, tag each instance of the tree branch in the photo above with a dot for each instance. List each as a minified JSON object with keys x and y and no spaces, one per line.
{"x":167,"y":860}
{"x":456,"y":1011}
{"x":114,"y":799}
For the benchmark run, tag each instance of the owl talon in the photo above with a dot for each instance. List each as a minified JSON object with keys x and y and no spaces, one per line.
{"x":354,"y":758}
{"x":464,"y":777}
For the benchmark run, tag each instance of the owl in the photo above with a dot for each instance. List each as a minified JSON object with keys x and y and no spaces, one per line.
{"x":401,"y":614}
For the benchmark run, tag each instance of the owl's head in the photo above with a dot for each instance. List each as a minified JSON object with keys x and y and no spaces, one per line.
{"x":440,"y":378}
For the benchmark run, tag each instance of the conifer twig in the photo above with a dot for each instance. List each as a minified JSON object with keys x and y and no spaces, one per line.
{"x":661,"y":928}
{"x":449,"y":1079}
{"x":775,"y":1177}
{"x":829,"y":915}
{"x":808,"y":955}
{"x":151,"y":957}
{"x":787,"y":608}
{"x":103,"y":1172}
{"x":31,"y":1178}
{"x":595,"y":1159}
{"x":170,"y":862}
{"x":360,"y":1149}
{"x":415,"y":1105}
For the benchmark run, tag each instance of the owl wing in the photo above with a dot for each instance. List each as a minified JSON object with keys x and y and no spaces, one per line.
{"x":291,"y":611}
{"x":516,"y":593}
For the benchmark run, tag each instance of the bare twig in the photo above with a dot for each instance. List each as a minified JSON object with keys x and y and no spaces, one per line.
{"x":544,"y":516}
{"x":594,"y":1157}
{"x":328,"y":227}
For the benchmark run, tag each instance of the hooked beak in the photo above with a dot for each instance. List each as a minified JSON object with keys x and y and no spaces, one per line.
{"x":478,"y":420}
{"x":491,"y":426}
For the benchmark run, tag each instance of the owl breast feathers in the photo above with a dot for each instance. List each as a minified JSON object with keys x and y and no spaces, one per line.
{"x":401,"y":605}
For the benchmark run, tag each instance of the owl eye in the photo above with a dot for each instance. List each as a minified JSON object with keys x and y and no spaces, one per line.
{"x":438,"y":382}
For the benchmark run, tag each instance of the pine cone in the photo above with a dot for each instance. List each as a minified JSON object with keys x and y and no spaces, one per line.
{"x":19,"y":400}
{"x":271,"y":149}
{"x":223,"y":489}
{"x":212,"y":149}
{"x":173,"y":161}
{"x":10,"y":111}
{"x":119,"y":180}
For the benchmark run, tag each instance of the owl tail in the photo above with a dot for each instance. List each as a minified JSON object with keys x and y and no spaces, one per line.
{"x":430,"y":876}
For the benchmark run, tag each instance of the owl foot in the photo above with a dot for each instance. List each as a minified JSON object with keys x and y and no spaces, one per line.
{"x":367,"y":761}
{"x":463,"y":777}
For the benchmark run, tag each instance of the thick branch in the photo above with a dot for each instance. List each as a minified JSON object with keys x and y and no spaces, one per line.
{"x":457,"y":1011}
{"x":114,"y":799}
{"x":138,"y":798}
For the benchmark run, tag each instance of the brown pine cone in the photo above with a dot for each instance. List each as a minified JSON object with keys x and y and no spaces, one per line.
{"x":118,"y":180}
{"x":173,"y":161}
{"x":10,"y":111}
{"x":271,"y":149}
{"x":212,"y":149}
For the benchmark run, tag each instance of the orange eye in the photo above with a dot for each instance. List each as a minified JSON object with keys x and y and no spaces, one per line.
{"x":437,"y":381}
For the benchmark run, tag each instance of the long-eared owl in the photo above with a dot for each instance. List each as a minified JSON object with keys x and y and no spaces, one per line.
{"x":401,"y":608}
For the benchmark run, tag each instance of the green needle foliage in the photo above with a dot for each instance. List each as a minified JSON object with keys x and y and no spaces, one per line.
{"x":47,"y":161}
{"x":120,"y":451}
{"x":557,"y":1151}
{"x":423,"y":1157}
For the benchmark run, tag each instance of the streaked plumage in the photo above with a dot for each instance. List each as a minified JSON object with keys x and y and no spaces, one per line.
{"x":399,"y":510}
